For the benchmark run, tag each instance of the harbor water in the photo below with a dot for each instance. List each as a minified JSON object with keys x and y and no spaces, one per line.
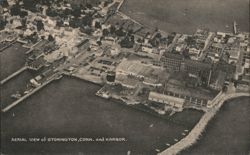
{"x":69,"y":108}
{"x":185,"y":16}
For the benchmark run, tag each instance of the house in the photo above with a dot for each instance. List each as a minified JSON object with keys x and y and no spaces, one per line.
{"x":194,"y":53}
{"x":147,"y":48}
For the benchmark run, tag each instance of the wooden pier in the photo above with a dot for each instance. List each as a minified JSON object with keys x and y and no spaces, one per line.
{"x":13,"y":75}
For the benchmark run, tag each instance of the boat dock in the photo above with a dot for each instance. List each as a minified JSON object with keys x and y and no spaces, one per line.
{"x":13,"y":75}
{"x":55,"y":77}
{"x":5,"y":47}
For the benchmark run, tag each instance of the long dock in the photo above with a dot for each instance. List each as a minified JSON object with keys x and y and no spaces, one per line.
{"x":5,"y":47}
{"x":28,"y":95}
{"x":196,"y":132}
{"x":13,"y":75}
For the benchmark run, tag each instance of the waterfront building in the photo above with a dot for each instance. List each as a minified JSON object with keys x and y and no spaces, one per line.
{"x":217,"y":80}
{"x":174,"y":102}
{"x":176,"y":62}
{"x":131,"y":71}
{"x":200,"y":69}
{"x":201,"y":35}
{"x":37,"y":64}
{"x":172,"y":61}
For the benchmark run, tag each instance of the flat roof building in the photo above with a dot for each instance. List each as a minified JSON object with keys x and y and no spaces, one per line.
{"x":174,"y":102}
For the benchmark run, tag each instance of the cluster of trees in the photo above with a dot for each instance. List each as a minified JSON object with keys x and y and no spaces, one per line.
{"x":33,"y":37}
{"x":128,"y":41}
{"x":2,"y":24}
{"x":156,"y":40}
{"x":4,"y":3}
{"x":15,"y":10}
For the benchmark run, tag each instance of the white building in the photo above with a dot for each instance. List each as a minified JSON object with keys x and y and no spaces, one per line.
{"x":176,"y":103}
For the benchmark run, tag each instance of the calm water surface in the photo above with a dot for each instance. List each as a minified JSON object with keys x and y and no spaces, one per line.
{"x":185,"y":16}
{"x":12,"y":59}
{"x":228,"y":133}
{"x":69,"y":108}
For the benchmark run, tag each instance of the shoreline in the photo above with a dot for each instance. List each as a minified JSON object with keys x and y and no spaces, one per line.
{"x":200,"y":127}
{"x":169,"y":19}
{"x":155,"y":115}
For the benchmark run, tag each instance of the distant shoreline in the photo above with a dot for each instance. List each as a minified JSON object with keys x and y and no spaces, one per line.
{"x":165,"y":15}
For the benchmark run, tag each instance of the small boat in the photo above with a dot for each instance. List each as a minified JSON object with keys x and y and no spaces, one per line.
{"x":16,"y":96}
{"x":176,"y":140}
{"x":186,"y":130}
{"x":129,"y":152}
{"x":157,"y":150}
{"x":183,"y":134}
{"x":13,"y":114}
{"x":167,"y":144}
{"x":151,"y":125}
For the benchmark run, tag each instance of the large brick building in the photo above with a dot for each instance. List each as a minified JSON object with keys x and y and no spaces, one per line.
{"x":176,"y":62}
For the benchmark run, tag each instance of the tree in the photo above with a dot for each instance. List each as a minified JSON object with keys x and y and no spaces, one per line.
{"x":4,"y":3}
{"x":87,"y":20}
{"x":15,"y":10}
{"x":98,"y":25}
{"x":105,"y":32}
{"x":224,"y":89}
{"x":89,"y":6}
{"x":30,"y":4}
{"x":185,"y":53}
{"x":120,"y":32}
{"x":127,"y":42}
{"x":2,"y":24}
{"x":51,"y":38}
{"x":40,"y":25}
{"x":23,"y":14}
{"x":190,"y":41}
{"x":76,"y":11}
{"x":59,"y":23}
{"x":112,"y":29}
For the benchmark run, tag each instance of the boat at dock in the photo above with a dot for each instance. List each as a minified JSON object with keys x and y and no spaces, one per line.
{"x":16,"y":96}
{"x":168,"y":144}
{"x":157,"y":150}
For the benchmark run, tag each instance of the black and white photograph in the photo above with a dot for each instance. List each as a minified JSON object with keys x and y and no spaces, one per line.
{"x":125,"y":77}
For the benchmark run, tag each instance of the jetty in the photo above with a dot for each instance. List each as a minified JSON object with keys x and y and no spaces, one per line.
{"x":5,"y":47}
{"x":197,"y":131}
{"x":55,"y":77}
{"x":13,"y":75}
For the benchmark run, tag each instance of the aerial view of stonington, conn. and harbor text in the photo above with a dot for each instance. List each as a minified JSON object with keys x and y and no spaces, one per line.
{"x":125,"y":77}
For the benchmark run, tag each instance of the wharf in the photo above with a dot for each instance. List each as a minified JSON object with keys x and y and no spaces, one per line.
{"x":5,"y":47}
{"x":13,"y":75}
{"x":55,"y":77}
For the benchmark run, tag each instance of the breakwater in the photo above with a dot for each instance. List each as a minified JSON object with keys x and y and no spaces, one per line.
{"x":196,"y":132}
